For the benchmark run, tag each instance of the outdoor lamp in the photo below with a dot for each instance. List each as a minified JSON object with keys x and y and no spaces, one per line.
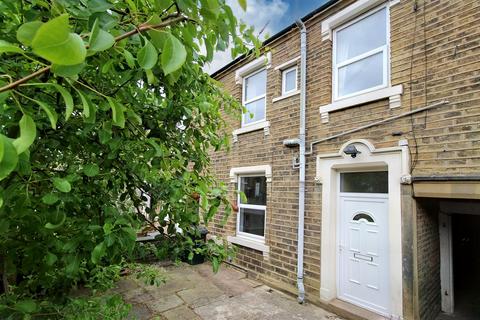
{"x":351,"y":150}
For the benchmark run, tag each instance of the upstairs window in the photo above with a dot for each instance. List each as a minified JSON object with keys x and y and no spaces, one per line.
{"x":251,"y":215}
{"x":254,"y":92}
{"x":289,"y":81}
{"x":360,"y":56}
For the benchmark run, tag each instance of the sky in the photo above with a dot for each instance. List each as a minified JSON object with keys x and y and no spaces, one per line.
{"x":273,"y":15}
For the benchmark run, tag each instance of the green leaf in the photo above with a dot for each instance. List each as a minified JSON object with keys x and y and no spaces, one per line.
{"x":8,"y":47}
{"x":215,"y":264}
{"x":28,"y":132}
{"x":26,"y":306}
{"x":100,"y":40}
{"x":67,"y":71}
{"x":50,"y":259}
{"x":27,"y":31}
{"x":212,"y":7}
{"x":52,"y":115}
{"x":73,"y":265}
{"x":62,"y":185}
{"x":173,"y":55}
{"x":158,"y":37}
{"x":147,"y":56}
{"x":2,"y":149}
{"x":54,"y":42}
{"x":4,"y":226}
{"x":91,"y":170}
{"x":1,"y":201}
{"x":88,"y":108}
{"x":104,"y":136}
{"x":24,"y":167}
{"x":67,"y":97}
{"x":117,"y":112}
{"x":129,"y":59}
{"x":98,"y":5}
{"x":98,"y":252}
{"x":50,"y":198}
{"x":205,"y":106}
{"x":243,"y":197}
{"x":55,"y":224}
{"x":243,"y":4}
{"x":9,"y":159}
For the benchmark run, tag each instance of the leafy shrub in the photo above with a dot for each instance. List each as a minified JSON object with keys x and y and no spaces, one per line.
{"x":103,"y":102}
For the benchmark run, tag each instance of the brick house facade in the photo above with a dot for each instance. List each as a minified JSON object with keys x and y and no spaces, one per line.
{"x":414,"y":55}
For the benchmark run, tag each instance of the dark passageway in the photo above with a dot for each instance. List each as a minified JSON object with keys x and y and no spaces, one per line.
{"x":466,"y":267}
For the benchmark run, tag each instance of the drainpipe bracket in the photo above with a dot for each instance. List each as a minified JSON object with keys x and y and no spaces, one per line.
{"x":406,"y":179}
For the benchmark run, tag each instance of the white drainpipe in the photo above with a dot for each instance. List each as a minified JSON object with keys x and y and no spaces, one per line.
{"x":301,"y":182}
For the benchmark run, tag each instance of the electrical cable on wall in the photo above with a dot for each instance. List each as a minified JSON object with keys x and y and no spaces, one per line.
{"x":414,"y":157}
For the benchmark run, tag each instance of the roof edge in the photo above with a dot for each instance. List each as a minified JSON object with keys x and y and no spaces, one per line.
{"x":276,"y":36}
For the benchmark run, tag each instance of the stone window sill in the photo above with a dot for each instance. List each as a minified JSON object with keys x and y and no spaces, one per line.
{"x":265,"y":125}
{"x":285,"y":96}
{"x":392,"y":93}
{"x":252,"y":244}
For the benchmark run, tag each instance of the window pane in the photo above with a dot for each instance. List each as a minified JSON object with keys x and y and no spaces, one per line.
{"x":255,"y":85}
{"x":255,"y":111}
{"x":364,"y":182}
{"x":290,"y":80}
{"x":252,"y":221}
{"x":365,"y":35}
{"x":364,"y":74}
{"x":255,"y":189}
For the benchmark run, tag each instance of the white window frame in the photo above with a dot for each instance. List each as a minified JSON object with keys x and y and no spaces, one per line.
{"x":284,"y":82}
{"x":385,"y":49}
{"x":247,"y":235}
{"x":244,"y":102}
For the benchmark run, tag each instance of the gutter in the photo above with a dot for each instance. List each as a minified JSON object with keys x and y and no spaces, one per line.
{"x":301,"y":180}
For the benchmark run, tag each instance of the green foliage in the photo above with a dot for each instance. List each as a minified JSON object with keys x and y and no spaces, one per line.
{"x":91,"y":307}
{"x":102,"y":102}
{"x":149,"y":274}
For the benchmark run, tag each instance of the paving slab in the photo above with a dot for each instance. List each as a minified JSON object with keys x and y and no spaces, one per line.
{"x":181,"y":313}
{"x":126,"y":284}
{"x":138,"y":296}
{"x":139,"y":312}
{"x":206,"y":270}
{"x":165,"y":303}
{"x":201,"y":295}
{"x":228,"y":280}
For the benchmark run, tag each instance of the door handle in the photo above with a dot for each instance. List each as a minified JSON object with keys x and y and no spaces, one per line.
{"x":363,"y":257}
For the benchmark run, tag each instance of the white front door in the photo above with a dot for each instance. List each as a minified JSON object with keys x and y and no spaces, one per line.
{"x":363,"y":250}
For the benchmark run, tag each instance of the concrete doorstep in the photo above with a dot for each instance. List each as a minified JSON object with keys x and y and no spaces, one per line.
{"x":195,"y":292}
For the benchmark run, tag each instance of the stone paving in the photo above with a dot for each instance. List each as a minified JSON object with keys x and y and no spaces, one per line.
{"x":195,"y":292}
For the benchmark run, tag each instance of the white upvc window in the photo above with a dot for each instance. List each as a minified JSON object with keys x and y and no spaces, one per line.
{"x":254,"y":97}
{"x":289,"y":80}
{"x":361,"y":54}
{"x":252,"y":212}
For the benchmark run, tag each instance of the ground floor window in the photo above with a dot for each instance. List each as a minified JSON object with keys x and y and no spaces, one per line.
{"x":252,"y":205}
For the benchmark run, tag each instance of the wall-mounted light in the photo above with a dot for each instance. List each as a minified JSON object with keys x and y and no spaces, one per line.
{"x":351,"y":150}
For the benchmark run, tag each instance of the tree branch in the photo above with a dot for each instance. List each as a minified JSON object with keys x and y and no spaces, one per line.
{"x":144,"y":27}
{"x":25,"y":79}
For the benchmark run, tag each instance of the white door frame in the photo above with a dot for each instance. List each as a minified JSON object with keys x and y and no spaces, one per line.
{"x":446,"y":262}
{"x":396,"y":161}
